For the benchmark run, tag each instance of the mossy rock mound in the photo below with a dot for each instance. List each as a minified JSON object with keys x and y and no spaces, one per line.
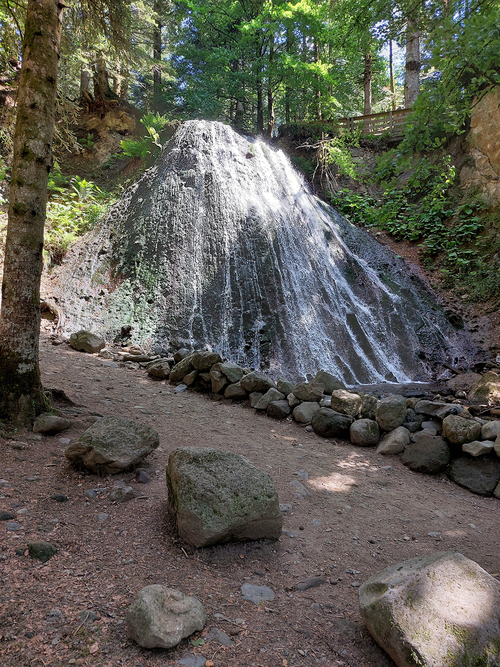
{"x":217,"y":497}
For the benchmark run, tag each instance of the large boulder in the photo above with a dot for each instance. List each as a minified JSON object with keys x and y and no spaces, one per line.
{"x":490,"y":430}
{"x":160,"y":617}
{"x":394,"y":442}
{"x":480,"y":476}
{"x":278,"y":409}
{"x":85,"y":341}
{"x":429,"y":454}
{"x":369,"y":404}
{"x":218,"y":497}
{"x":218,"y":378}
{"x":285,"y":386}
{"x":364,"y":433}
{"x":309,"y":391}
{"x":391,"y":412}
{"x":437,"y":409}
{"x":235,"y":391}
{"x":203,"y":360}
{"x":111,"y":445}
{"x":486,"y":390}
{"x":160,"y":370}
{"x":440,"y":610}
{"x":256,"y":382}
{"x":329,"y":382}
{"x":331,"y":424}
{"x":346,"y":402}
{"x":233,"y":372}
{"x":182,"y":368}
{"x":304,"y":412}
{"x":270,"y":395}
{"x":459,"y":430}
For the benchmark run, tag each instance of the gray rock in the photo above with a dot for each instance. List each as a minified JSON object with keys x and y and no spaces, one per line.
{"x":394,"y":442}
{"x":181,"y":369}
{"x":181,"y":354}
{"x":391,"y":412}
{"x":46,"y":423}
{"x":112,"y":444}
{"x":136,"y":358}
{"x":141,"y":476}
{"x":190,"y":378}
{"x":329,"y":382}
{"x":480,"y":476}
{"x":218,"y":497}
{"x":486,"y":390}
{"x":278,"y":409}
{"x":300,"y":491}
{"x":437,"y":409}
{"x":490,"y":430}
{"x":218,"y":379}
{"x":496,"y":492}
{"x":256,"y":382}
{"x":304,"y":412}
{"x":432,"y":424}
{"x":430,"y":454}
{"x":6,"y":516}
{"x":12,"y":526}
{"x":441,"y":609}
{"x":346,"y":402}
{"x":369,"y":404}
{"x":309,"y":391}
{"x":257,"y":594}
{"x":121,"y":493}
{"x":220,"y":636}
{"x":180,"y":389}
{"x":364,"y":433}
{"x":42,"y":551}
{"x":192,"y":660}
{"x":85,"y":341}
{"x":160,"y":370}
{"x":459,"y":430}
{"x":293,"y":401}
{"x":235,"y":391}
{"x":284,"y":386}
{"x":331,"y":424}
{"x":310,"y":582}
{"x":233,"y":372}
{"x":270,"y":395}
{"x":90,"y":494}
{"x":479,"y":447}
{"x":160,"y":617}
{"x":254,"y":397}
{"x":203,"y":360}
{"x":413,"y":422}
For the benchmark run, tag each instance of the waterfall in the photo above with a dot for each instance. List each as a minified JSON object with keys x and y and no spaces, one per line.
{"x":222,"y":243}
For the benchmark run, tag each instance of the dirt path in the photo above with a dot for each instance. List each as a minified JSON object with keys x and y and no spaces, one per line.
{"x":358,"y":513}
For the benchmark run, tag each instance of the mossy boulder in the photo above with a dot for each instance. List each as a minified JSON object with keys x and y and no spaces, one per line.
{"x":85,"y":341}
{"x":439,"y":610}
{"x":391,"y":412}
{"x":217,"y":497}
{"x":486,"y":390}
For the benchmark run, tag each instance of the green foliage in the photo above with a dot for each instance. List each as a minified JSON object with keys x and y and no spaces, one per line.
{"x":75,"y":206}
{"x":154,"y":124}
{"x":88,"y":142}
{"x":337,"y":151}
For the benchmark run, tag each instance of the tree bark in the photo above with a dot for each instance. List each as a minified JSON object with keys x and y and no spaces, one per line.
{"x":157,"y":49}
{"x":21,"y":393}
{"x":270,"y":95}
{"x":367,"y":84}
{"x":412,"y":67}
{"x":101,"y":81}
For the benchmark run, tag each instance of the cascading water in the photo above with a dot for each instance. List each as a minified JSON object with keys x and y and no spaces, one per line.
{"x":222,"y":243}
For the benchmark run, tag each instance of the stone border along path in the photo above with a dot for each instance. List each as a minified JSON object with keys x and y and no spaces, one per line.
{"x":432,"y":436}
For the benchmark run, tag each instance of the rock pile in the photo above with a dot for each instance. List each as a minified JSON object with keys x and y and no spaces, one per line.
{"x":431,"y":435}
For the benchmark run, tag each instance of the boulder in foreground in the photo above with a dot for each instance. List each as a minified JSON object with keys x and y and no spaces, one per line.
{"x":442,"y":610}
{"x":160,"y":617}
{"x":218,"y":497}
{"x":111,"y":445}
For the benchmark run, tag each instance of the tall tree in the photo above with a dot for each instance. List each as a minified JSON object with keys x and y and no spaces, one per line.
{"x":21,"y":392}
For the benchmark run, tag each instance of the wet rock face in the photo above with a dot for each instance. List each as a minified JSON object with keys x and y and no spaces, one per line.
{"x":212,"y":248}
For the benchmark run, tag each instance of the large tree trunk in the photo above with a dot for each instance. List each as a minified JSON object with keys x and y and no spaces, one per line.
{"x":21,"y":393}
{"x":412,"y":67}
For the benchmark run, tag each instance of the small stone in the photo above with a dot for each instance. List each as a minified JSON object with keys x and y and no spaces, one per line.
{"x":257,"y":594}
{"x":59,"y":498}
{"x":42,"y":551}
{"x":86,"y":342}
{"x":46,"y":423}
{"x":478,"y":447}
{"x":90,"y":494}
{"x":311,"y":582}
{"x":180,"y":389}
{"x":12,"y":526}
{"x":192,"y":660}
{"x":6,"y":516}
{"x":141,"y":476}
{"x":220,"y":636}
{"x":490,"y":430}
{"x":121,"y":493}
{"x":300,"y":490}
{"x":102,"y":516}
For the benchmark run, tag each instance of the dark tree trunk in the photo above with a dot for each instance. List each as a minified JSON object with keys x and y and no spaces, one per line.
{"x":270,"y":95}
{"x":319,"y":111}
{"x":21,"y":393}
{"x":260,"y":106}
{"x":101,"y":81}
{"x":367,"y":84}
{"x":157,"y":50}
{"x":391,"y":77}
{"x":288,"y":90}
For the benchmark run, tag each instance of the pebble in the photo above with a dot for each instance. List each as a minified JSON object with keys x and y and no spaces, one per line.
{"x":141,"y":476}
{"x":300,"y":490}
{"x":102,"y":516}
{"x":109,"y":364}
{"x":4,"y":484}
{"x":59,"y":498}
{"x":192,"y":660}
{"x":6,"y":516}
{"x":64,"y":441}
{"x":220,"y":636}
{"x":13,"y":526}
{"x":309,"y":428}
{"x":90,"y":494}
{"x":257,"y":594}
{"x":310,"y":582}
{"x":181,"y":388}
{"x":286,"y":508}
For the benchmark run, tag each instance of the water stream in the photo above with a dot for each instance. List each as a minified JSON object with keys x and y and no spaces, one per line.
{"x":222,"y":243}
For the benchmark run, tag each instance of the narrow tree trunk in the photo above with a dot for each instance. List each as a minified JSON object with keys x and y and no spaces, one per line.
{"x":367,"y":84}
{"x":260,"y":106}
{"x":412,"y":68}
{"x":288,"y":90}
{"x":85,"y":81}
{"x":157,"y":49}
{"x":21,"y":393}
{"x":391,"y":77}
{"x":101,"y":81}
{"x":319,"y":112}
{"x":239,"y":116}
{"x":270,"y":96}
